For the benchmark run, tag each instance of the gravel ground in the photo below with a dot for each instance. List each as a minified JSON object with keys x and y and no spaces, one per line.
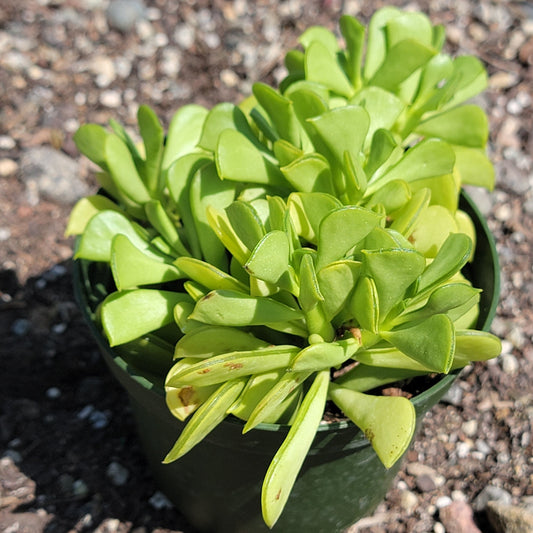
{"x":70,"y":460}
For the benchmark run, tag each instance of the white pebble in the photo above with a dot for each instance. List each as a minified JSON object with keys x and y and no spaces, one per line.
{"x":463,"y":450}
{"x":111,"y":99}
{"x":459,"y":496}
{"x":443,"y":501}
{"x":53,"y":393}
{"x":470,"y":428}
{"x":8,"y":167}
{"x":509,"y":364}
{"x":438,"y":528}
{"x":7,"y":142}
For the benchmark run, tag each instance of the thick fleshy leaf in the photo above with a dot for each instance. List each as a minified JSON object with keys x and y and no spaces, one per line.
{"x":220,"y":224}
{"x":343,"y":130}
{"x":233,"y":308}
{"x":438,"y":69}
{"x":287,"y":462}
{"x":183,"y":133}
{"x":232,"y":365}
{"x":246,"y":223}
{"x":269,"y":260}
{"x":160,"y":220}
{"x":321,"y":34}
{"x":356,"y":223}
{"x":222,"y":117}
{"x":90,"y":140}
{"x":432,"y":229}
{"x":430,"y":342}
{"x":85,"y":209}
{"x":208,"y":341}
{"x":179,"y":177}
{"x":392,"y":196}
{"x":388,"y":422}
{"x":402,"y":266}
{"x":474,"y":167}
{"x":130,"y":314}
{"x":390,"y":358}
{"x":281,"y":112}
{"x":382,"y":150}
{"x":153,"y":138}
{"x":183,"y":401}
{"x":472,"y":79}
{"x":208,"y":275}
{"x":451,"y":257}
{"x":376,"y":47}
{"x":123,"y":170}
{"x":238,"y":159}
{"x":209,"y":191}
{"x":365,"y":304}
{"x":363,"y":378}
{"x":310,"y":173}
{"x":473,"y":131}
{"x":307,"y":210}
{"x":325,"y":355}
{"x":285,"y":152}
{"x":443,"y":300}
{"x":132,"y":267}
{"x":383,"y":108}
{"x":401,"y":61}
{"x":206,"y":418}
{"x":337,"y":281}
{"x":404,"y":220}
{"x":275,"y":398}
{"x":428,"y":158}
{"x":95,"y":243}
{"x":354,"y":34}
{"x":321,"y":66}
{"x":472,"y":345}
{"x":408,"y":25}
{"x":182,"y":312}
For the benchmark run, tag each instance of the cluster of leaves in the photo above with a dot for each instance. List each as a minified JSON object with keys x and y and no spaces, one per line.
{"x":303,"y":246}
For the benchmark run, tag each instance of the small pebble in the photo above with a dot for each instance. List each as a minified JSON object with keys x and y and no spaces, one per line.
{"x":53,"y":393}
{"x":491,"y":493}
{"x":463,"y":450}
{"x":470,"y":428}
{"x":58,"y":329}
{"x":509,"y":364}
{"x":21,"y":327}
{"x":117,"y":474}
{"x":438,"y":528}
{"x":111,"y":98}
{"x":15,"y":456}
{"x":159,"y":501}
{"x":454,"y":396}
{"x":123,"y":14}
{"x":8,"y":167}
{"x":80,"y":489}
{"x":408,"y":500}
{"x":7,"y":142}
{"x":483,"y":447}
{"x":443,"y":501}
{"x":5,"y":234}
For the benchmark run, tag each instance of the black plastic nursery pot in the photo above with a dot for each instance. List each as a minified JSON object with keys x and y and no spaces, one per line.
{"x":217,"y":485}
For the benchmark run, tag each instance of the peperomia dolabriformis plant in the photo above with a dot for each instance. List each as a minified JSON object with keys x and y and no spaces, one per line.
{"x":302,"y":247}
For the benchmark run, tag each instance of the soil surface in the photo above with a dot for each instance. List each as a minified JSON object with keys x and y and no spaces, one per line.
{"x":70,"y":457}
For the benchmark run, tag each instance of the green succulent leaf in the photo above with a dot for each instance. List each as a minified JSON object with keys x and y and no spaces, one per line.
{"x":153,"y":138}
{"x":160,"y":220}
{"x":388,"y":422}
{"x":404,"y":220}
{"x":287,"y":462}
{"x":365,"y":304}
{"x":363,"y":377}
{"x":233,"y":308}
{"x":183,"y":133}
{"x":451,"y":257}
{"x":123,"y":321}
{"x":91,"y":140}
{"x":430,"y":342}
{"x":337,"y":281}
{"x":389,"y":357}
{"x":207,"y":190}
{"x":472,"y":133}
{"x":325,"y":355}
{"x":150,"y":268}
{"x":404,"y":266}
{"x":95,"y":243}
{"x":246,"y":223}
{"x":473,"y":167}
{"x":208,"y":341}
{"x":310,"y":173}
{"x":238,"y":159}
{"x":206,"y":418}
{"x":220,"y":224}
{"x":354,"y":34}
{"x":124,"y":171}
{"x":333,"y":245}
{"x":322,"y":67}
{"x":228,"y":366}
{"x":85,"y":209}
{"x":472,"y":345}
{"x":472,"y":79}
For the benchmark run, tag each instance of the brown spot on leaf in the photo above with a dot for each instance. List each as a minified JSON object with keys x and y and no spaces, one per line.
{"x":356,"y":332}
{"x":233,"y":366}
{"x":278,"y":495}
{"x":369,"y":434}
{"x":204,"y":371}
{"x":186,"y":395}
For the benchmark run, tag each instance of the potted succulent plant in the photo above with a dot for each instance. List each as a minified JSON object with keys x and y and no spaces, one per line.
{"x":268,"y":268}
